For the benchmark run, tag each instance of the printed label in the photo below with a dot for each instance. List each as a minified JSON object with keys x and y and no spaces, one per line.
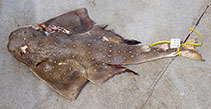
{"x":175,"y":43}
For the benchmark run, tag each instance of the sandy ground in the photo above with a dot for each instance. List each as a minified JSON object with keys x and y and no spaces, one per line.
{"x":167,"y":83}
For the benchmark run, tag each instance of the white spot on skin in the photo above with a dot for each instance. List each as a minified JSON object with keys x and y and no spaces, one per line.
{"x":88,"y":44}
{"x":61,"y":63}
{"x":119,"y":51}
{"x":110,"y":50}
{"x":105,"y":39}
{"x":110,"y":45}
{"x":109,"y":55}
{"x":130,"y":51}
{"x":100,"y":49}
{"x":132,"y":56}
{"x":23,"y":49}
{"x":131,"y":47}
{"x":89,"y":52}
{"x":74,"y":46}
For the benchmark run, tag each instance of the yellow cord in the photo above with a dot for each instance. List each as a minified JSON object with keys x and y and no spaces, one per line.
{"x":159,"y":42}
{"x":186,"y":43}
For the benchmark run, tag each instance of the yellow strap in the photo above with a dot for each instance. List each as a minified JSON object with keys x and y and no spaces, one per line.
{"x":186,"y":43}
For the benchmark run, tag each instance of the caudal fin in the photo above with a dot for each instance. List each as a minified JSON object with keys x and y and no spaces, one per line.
{"x":189,"y":51}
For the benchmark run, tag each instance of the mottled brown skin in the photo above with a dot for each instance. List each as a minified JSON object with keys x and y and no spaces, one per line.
{"x":89,"y":52}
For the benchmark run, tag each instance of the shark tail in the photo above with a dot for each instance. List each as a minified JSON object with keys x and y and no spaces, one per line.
{"x":186,"y":50}
{"x":189,"y":51}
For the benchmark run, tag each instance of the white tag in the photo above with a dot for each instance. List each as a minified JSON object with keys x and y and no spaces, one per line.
{"x":175,"y":43}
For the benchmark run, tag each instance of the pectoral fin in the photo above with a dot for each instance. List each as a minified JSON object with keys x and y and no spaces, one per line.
{"x":76,"y":21}
{"x":66,"y":77}
{"x":99,"y":72}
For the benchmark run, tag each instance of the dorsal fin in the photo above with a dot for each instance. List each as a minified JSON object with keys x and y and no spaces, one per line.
{"x":111,"y":36}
